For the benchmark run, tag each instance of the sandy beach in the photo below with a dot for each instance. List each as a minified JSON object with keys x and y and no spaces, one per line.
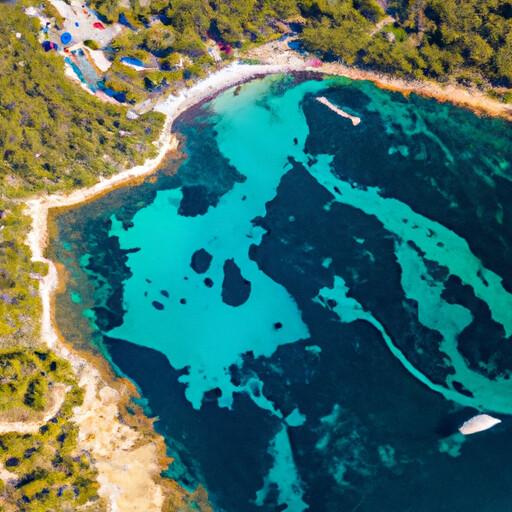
{"x":128,"y":465}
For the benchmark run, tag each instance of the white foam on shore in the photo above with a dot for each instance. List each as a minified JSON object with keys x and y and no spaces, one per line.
{"x":231,"y":75}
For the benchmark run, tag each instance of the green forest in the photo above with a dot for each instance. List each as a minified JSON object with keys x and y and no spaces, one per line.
{"x":467,"y":40}
{"x":53,"y":135}
{"x":51,"y":474}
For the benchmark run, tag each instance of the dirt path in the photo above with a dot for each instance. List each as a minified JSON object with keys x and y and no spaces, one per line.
{"x":57,"y":396}
{"x":6,"y":475}
{"x":381,"y":24}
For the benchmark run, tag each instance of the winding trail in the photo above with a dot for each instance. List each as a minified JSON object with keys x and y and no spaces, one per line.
{"x":57,"y":396}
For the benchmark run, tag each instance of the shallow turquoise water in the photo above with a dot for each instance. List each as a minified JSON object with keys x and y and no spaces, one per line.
{"x":226,"y":232}
{"x":312,"y":308}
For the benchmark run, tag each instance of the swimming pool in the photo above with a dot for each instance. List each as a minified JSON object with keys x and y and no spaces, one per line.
{"x":132,"y":61}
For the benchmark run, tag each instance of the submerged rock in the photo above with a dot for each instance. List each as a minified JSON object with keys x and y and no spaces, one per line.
{"x":201,"y":261}
{"x":157,"y":305}
{"x":235,"y":288}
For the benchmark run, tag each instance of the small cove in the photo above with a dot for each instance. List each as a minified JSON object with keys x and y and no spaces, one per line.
{"x":311,"y":308}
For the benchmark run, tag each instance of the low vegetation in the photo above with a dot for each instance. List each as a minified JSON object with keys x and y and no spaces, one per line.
{"x":26,"y":379}
{"x":47,"y":470}
{"x":53,"y":137}
{"x":19,"y":300}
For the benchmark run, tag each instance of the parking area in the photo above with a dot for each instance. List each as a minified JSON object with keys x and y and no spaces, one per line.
{"x":83,"y":24}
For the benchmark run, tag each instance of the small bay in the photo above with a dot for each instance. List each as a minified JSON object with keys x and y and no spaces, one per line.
{"x":312,"y":308}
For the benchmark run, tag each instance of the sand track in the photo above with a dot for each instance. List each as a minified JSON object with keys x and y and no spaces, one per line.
{"x":57,"y":396}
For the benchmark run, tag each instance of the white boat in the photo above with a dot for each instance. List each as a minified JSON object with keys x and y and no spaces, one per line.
{"x":478,"y":423}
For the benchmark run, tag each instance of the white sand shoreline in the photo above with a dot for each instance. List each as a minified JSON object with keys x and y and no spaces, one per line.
{"x":127,"y":471}
{"x":278,"y":52}
{"x":172,"y":107}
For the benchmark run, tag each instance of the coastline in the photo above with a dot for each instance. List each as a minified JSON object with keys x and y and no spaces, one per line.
{"x":127,"y":464}
{"x":472,"y":99}
{"x":279,"y":53}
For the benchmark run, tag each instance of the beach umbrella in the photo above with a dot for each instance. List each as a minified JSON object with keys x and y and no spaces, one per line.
{"x":65,"y":38}
{"x":49,"y":45}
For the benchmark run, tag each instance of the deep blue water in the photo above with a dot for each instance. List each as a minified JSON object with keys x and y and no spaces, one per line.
{"x":312,"y":308}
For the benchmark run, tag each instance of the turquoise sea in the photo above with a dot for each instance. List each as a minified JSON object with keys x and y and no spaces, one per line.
{"x":312,"y":309}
